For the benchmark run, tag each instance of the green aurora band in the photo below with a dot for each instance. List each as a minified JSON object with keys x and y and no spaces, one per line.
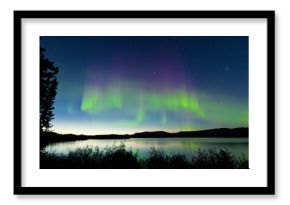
{"x":188,"y":108}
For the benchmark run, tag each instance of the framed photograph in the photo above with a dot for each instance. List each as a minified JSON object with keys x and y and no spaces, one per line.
{"x":144,"y":102}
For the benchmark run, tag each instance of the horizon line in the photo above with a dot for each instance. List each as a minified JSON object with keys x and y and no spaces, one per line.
{"x":148,"y":132}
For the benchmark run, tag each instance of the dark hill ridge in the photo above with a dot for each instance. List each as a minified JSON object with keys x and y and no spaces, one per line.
{"x":221,"y":132}
{"x":51,"y":137}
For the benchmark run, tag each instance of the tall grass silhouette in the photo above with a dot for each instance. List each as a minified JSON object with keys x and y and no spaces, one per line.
{"x":118,"y":157}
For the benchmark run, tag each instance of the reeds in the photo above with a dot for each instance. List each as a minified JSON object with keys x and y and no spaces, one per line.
{"x":118,"y":157}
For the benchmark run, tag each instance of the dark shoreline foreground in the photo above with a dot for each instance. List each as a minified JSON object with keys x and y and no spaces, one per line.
{"x":52,"y":137}
{"x":118,"y":157}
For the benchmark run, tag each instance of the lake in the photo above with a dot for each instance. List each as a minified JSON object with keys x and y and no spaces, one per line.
{"x":185,"y":146}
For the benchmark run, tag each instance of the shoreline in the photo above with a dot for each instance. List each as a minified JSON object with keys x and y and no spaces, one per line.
{"x":52,"y":137}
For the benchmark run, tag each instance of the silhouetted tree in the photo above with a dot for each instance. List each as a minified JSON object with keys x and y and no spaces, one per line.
{"x":48,"y":87}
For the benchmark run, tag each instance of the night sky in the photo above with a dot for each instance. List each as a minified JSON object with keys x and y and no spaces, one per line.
{"x":123,"y":85}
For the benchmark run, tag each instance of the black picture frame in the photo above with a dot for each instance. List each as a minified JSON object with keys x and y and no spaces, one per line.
{"x":270,"y":18}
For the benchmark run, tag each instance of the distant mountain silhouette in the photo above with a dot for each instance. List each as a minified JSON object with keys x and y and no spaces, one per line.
{"x":221,"y":132}
{"x":50,"y":137}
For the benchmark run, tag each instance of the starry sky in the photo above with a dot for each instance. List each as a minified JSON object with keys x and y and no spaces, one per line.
{"x":128,"y":84}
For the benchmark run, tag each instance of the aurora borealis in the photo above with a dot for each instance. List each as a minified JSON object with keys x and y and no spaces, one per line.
{"x":128,"y":84}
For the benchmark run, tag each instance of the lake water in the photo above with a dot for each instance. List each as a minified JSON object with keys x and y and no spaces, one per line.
{"x":185,"y":146}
